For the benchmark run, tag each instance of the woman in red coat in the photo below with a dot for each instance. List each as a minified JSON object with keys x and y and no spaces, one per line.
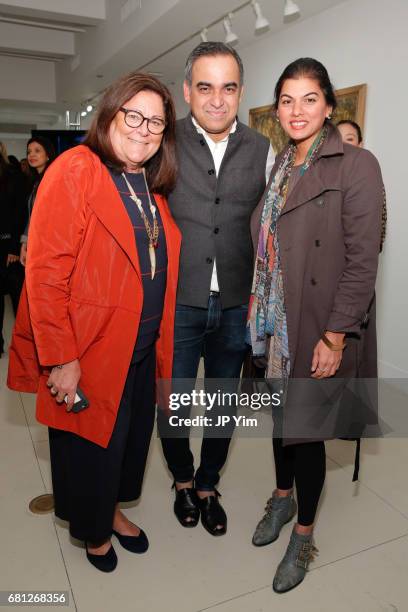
{"x":98,"y":311}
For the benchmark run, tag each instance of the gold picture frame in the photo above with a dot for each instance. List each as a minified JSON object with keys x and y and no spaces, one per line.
{"x":351,"y":105}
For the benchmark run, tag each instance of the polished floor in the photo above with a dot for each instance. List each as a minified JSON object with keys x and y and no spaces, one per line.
{"x":362,"y":533}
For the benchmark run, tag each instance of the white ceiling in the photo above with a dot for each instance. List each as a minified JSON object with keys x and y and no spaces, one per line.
{"x":57,"y":55}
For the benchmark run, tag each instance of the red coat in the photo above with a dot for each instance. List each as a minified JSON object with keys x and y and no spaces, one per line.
{"x":84,"y":294}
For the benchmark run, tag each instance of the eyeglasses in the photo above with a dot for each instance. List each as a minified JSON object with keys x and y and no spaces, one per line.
{"x":135,"y":119}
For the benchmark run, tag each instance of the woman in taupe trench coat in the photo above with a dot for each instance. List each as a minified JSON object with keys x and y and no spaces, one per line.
{"x":317,"y":232}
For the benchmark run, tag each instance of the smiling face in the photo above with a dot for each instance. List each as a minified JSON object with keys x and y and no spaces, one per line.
{"x":134,"y":146}
{"x":302,"y":109}
{"x":214,"y":94}
{"x":349,"y":134}
{"x":37,"y":156}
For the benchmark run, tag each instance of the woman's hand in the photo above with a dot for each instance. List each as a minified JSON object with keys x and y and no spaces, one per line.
{"x":64,"y":381}
{"x":326,"y":362}
{"x":23,"y":254}
{"x":11,"y":259}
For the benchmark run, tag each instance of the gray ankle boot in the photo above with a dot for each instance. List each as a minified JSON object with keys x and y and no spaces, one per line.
{"x":293,"y":567}
{"x":278,"y":511}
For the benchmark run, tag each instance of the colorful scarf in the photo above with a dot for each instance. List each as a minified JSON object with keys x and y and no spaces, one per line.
{"x":267,"y":325}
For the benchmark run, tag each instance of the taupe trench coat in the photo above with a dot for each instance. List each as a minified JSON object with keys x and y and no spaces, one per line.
{"x":329,"y":236}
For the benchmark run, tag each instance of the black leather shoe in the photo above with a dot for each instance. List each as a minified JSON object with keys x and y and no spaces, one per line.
{"x":213,"y":514}
{"x":136,"y":544}
{"x":186,"y":507}
{"x":104,"y":563}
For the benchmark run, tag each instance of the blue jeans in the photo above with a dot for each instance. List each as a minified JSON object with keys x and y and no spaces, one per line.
{"x":219,"y":336}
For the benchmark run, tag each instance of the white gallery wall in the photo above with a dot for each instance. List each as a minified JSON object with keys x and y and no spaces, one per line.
{"x":359,"y":41}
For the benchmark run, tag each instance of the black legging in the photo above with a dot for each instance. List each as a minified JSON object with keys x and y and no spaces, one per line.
{"x":305,"y":465}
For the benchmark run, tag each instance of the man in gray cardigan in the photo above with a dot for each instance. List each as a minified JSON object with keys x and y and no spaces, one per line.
{"x":223,"y":167}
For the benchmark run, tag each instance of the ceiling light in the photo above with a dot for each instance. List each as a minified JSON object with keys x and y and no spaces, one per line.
{"x":261,"y":23}
{"x":89,"y":108}
{"x":84,"y":114}
{"x":291,"y":9}
{"x":203,"y":35}
{"x":230,"y":37}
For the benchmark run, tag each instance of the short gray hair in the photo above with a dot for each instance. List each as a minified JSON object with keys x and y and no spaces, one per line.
{"x":206,"y":49}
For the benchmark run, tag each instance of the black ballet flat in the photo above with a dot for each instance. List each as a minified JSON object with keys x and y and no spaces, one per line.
{"x":213,"y":514}
{"x":104,"y":563}
{"x":186,"y":507}
{"x":135,"y":544}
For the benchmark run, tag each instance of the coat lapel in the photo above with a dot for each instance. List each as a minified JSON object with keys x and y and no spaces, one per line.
{"x":305,"y":191}
{"x":108,"y":206}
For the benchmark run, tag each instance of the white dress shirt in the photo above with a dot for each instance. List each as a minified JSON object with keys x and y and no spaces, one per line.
{"x":217,"y":151}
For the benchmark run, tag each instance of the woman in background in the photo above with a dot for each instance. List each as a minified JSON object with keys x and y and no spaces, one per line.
{"x":40,"y":154}
{"x":13,"y":217}
{"x":350,"y":132}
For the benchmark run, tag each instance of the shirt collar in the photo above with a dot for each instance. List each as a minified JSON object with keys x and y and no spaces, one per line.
{"x":201,"y":131}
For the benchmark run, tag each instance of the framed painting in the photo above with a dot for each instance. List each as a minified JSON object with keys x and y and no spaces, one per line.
{"x":263,"y":119}
{"x":351,"y":105}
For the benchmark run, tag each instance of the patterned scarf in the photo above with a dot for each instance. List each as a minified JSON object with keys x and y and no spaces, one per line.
{"x":267,"y":326}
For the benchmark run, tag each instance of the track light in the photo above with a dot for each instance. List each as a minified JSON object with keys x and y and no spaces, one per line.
{"x":230,"y":37}
{"x":84,"y":114}
{"x":203,"y":35}
{"x":291,"y":9}
{"x":89,"y":108}
{"x":261,"y":24}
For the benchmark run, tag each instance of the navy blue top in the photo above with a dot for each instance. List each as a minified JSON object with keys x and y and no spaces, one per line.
{"x":153,"y":290}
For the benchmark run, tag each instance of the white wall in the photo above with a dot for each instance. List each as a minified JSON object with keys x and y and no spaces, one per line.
{"x":26,"y":79}
{"x":359,"y":41}
{"x":16,"y":143}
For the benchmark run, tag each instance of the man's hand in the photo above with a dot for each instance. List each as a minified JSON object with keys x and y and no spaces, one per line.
{"x":63,"y":381}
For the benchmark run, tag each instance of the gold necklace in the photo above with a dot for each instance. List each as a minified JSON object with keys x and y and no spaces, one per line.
{"x":152,"y":233}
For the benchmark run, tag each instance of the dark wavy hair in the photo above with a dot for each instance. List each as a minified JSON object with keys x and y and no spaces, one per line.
{"x":312,"y":69}
{"x":161,"y":169}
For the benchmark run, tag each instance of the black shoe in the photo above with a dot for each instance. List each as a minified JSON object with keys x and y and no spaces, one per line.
{"x":186,"y":507}
{"x":213,"y":514}
{"x":136,"y":544}
{"x":104,"y":563}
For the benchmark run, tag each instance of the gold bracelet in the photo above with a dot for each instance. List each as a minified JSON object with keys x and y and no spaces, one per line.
{"x":331,"y":346}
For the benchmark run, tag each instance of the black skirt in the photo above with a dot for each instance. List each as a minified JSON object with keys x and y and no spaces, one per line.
{"x":88,"y":480}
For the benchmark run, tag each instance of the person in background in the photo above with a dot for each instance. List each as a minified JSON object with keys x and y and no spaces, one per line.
{"x":26,"y":170}
{"x":317,"y":239}
{"x":222,"y":174}
{"x":12,"y":159}
{"x":13,"y":217}
{"x":101,"y":282}
{"x":350,"y":132}
{"x":40,"y":154}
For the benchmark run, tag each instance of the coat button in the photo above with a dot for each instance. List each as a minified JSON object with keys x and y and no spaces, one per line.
{"x":216,"y":230}
{"x":317,"y":243}
{"x":202,"y":142}
{"x":320,"y":202}
{"x":313,"y":281}
{"x":217,"y":200}
{"x":211,"y":171}
{"x":209,"y":260}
